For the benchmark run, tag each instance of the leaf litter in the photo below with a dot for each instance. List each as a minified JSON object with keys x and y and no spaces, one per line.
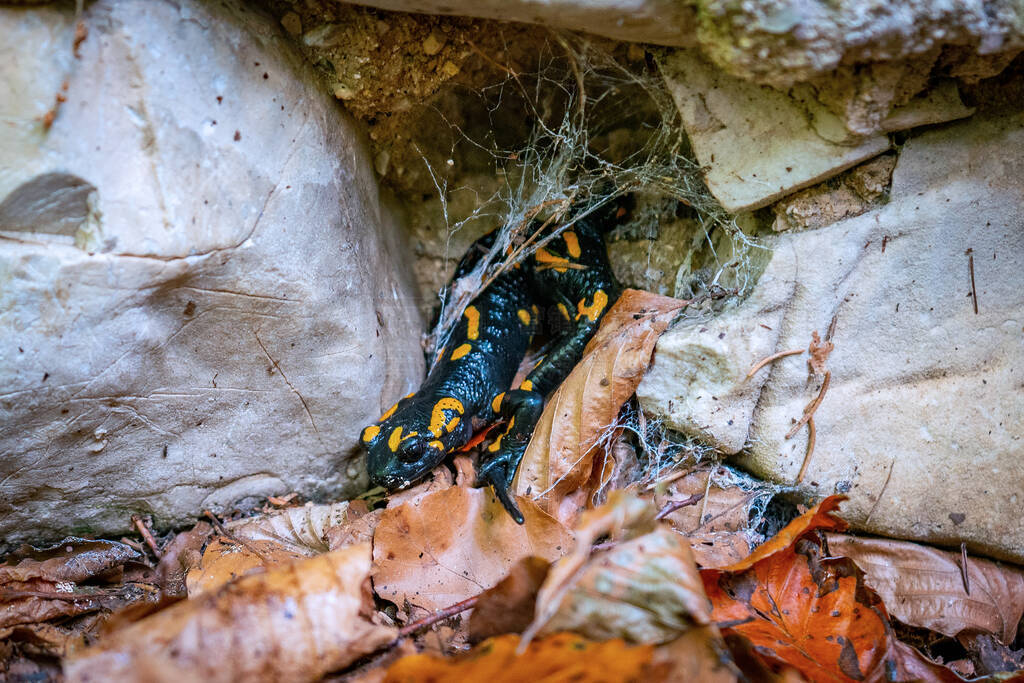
{"x":667,"y":580}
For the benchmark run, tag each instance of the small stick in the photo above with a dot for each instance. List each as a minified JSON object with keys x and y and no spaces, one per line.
{"x":147,"y":535}
{"x":677,"y":504}
{"x":7,"y":593}
{"x":437,"y":616}
{"x":884,"y":486}
{"x":811,"y":435}
{"x":775,"y":356}
{"x":488,"y":58}
{"x":811,"y":407}
{"x":669,"y":479}
{"x":704,"y":504}
{"x":974,"y":290}
{"x":963,"y":568}
{"x":222,"y":530}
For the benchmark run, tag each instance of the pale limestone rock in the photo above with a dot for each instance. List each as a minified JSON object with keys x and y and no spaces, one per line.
{"x":757,"y":142}
{"x":697,"y":383}
{"x":210,"y":301}
{"x":662,"y":22}
{"x":923,"y":424}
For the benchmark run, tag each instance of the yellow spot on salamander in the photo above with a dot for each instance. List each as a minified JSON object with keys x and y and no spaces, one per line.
{"x":410,"y":435}
{"x":546,"y":258}
{"x":437,"y":416}
{"x":390,"y":411}
{"x":494,"y":447}
{"x":370,"y":433}
{"x":496,"y":403}
{"x":461,"y":351}
{"x":593,"y":311}
{"x":524,"y":316}
{"x":564,"y":311}
{"x":572,"y":242}
{"x":472,"y":322}
{"x":410,"y":395}
{"x":395,"y":439}
{"x":527,"y":385}
{"x":453,"y":424}
{"x":536,"y":311}
{"x":436,"y":444}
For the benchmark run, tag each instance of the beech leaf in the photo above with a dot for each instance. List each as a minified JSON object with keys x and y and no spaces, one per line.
{"x":508,"y":607}
{"x":299,"y":530}
{"x":293,"y":623}
{"x":453,"y":544}
{"x":561,"y":657}
{"x":924,"y":587}
{"x":566,"y":441}
{"x":226,"y":560}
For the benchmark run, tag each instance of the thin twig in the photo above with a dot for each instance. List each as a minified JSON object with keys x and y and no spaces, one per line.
{"x":669,"y":479}
{"x":774,"y":357}
{"x":492,"y":61}
{"x":812,"y":406}
{"x":963,"y":568}
{"x":884,"y":486}
{"x":704,"y":504}
{"x":437,"y":616}
{"x":677,"y":504}
{"x":574,"y":65}
{"x":811,"y":436}
{"x":222,"y":530}
{"x":974,"y":290}
{"x":147,"y":535}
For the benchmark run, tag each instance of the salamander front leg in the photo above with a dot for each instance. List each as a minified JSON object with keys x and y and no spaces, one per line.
{"x":522,"y":409}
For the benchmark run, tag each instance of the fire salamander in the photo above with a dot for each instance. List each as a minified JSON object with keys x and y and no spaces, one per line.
{"x":469,"y":386}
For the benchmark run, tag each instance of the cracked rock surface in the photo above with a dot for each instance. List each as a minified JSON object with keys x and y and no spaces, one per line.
{"x":201,"y":291}
{"x":922,"y":423}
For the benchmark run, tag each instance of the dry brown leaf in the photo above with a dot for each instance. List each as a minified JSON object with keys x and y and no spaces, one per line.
{"x":225,"y":560}
{"x":453,"y":544}
{"x":356,"y":530}
{"x":561,"y":658}
{"x":699,"y":654}
{"x":295,"y":623}
{"x":72,"y":560}
{"x":721,"y":537}
{"x":646,"y":590}
{"x":299,"y":530}
{"x":924,"y":587}
{"x":565,"y":443}
{"x":508,"y":607}
{"x":184,"y":552}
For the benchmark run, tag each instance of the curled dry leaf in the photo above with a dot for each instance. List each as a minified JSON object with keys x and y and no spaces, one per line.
{"x":803,"y":609}
{"x":561,"y":657}
{"x":508,"y":607}
{"x":722,"y":537}
{"x":561,"y":455}
{"x":294,"y":623}
{"x":453,"y":544}
{"x":924,"y":587}
{"x":646,"y":590}
{"x":184,"y":552}
{"x":299,"y":530}
{"x":226,"y":560}
{"x":72,"y":560}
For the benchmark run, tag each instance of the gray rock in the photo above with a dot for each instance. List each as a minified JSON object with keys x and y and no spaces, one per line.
{"x":203,"y":294}
{"x":758,"y":143}
{"x":923,"y":423}
{"x":662,"y":22}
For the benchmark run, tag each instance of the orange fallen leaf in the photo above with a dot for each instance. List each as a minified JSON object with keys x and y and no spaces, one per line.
{"x":699,"y":654}
{"x":226,"y":560}
{"x":453,"y":544}
{"x":803,"y":609}
{"x":561,"y":455}
{"x":294,"y":623}
{"x":924,"y":587}
{"x":560,"y":658}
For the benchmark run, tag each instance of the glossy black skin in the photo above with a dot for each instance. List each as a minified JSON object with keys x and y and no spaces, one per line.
{"x":543,"y":288}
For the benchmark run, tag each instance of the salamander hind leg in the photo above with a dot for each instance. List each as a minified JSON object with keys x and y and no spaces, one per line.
{"x":522,"y":409}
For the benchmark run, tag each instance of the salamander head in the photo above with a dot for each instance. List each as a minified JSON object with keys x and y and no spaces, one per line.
{"x":407,"y":443}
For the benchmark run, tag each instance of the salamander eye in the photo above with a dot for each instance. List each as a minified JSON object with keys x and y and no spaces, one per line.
{"x":411,"y":450}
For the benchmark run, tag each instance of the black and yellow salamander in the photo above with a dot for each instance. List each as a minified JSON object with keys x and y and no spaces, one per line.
{"x":469,"y":386}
